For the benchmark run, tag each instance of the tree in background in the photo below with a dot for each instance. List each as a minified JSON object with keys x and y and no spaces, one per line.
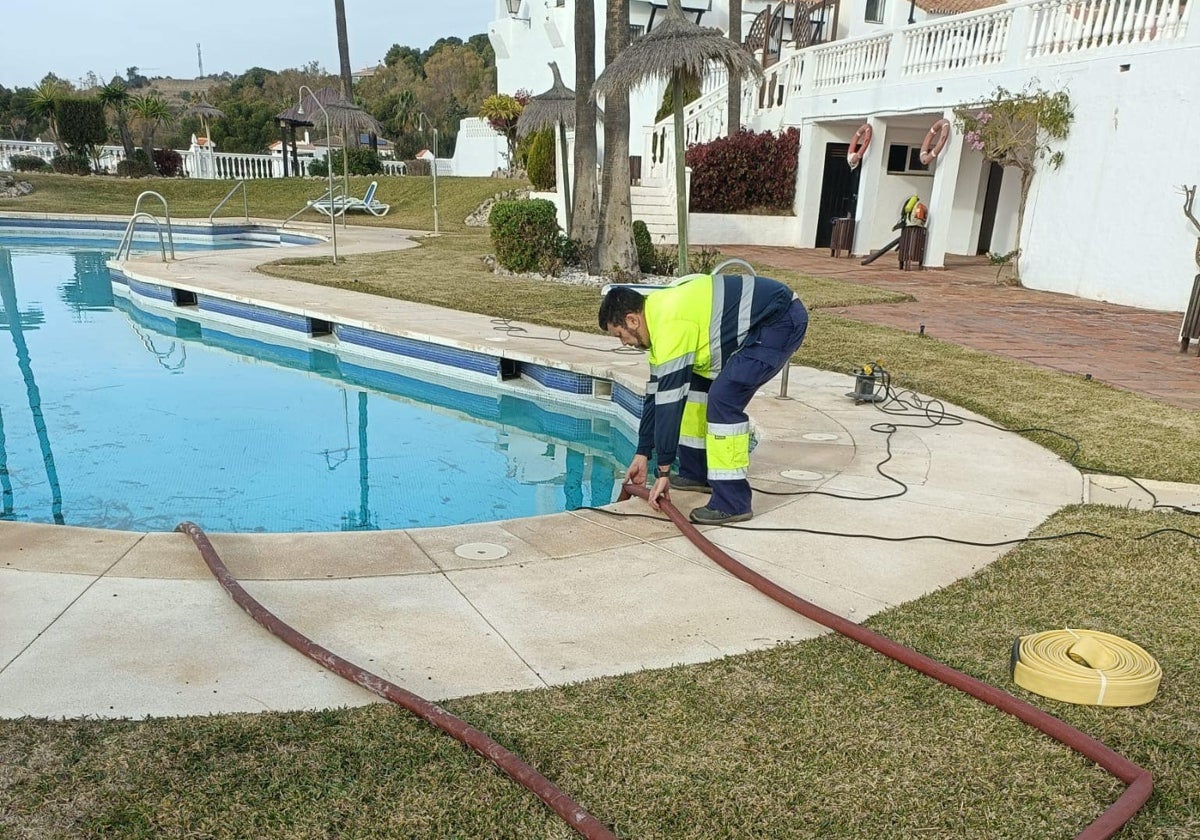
{"x":42,"y":104}
{"x":502,"y":112}
{"x":615,"y":249}
{"x":115,"y":98}
{"x":152,"y":113}
{"x":584,"y":217}
{"x":81,"y":122}
{"x":1018,"y":130}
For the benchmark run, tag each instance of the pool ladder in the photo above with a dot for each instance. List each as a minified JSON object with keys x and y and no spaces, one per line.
{"x":127,"y":240}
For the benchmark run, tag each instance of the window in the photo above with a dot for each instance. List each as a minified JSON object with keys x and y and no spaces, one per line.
{"x":906,"y":160}
{"x":874,"y":11}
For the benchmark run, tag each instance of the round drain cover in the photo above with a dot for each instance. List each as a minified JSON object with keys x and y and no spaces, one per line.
{"x":802,"y":475}
{"x":481,"y":551}
{"x":820,"y":436}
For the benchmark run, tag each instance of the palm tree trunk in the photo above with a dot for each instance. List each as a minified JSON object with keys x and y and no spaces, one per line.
{"x":615,"y":250}
{"x":681,"y":199}
{"x":339,"y":10}
{"x":734,"y":122}
{"x":582,"y":219}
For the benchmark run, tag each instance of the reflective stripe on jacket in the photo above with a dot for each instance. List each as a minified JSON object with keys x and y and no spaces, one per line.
{"x":696,"y":325}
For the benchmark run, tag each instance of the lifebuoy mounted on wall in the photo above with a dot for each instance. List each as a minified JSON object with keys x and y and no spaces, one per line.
{"x":935,"y":141}
{"x":858,"y":145}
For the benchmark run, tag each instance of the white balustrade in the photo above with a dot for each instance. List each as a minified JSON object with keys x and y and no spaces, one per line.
{"x":845,"y":63}
{"x":959,"y":42}
{"x":1070,"y":26}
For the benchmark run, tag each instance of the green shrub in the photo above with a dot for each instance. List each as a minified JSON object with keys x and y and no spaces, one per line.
{"x":525,"y":234}
{"x":359,"y":161}
{"x":72,"y":164}
{"x":644,"y":246}
{"x":541,"y":166}
{"x":27,"y":163}
{"x":135,"y":168}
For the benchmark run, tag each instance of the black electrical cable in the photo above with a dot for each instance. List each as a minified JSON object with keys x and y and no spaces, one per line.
{"x":505,"y":325}
{"x":902,"y":404}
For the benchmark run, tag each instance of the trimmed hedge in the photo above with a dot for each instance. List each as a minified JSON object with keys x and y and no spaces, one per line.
{"x":27,"y":163}
{"x":525,"y":234}
{"x":645,"y":247}
{"x":745,"y":171}
{"x":541,"y":165}
{"x":168,"y":162}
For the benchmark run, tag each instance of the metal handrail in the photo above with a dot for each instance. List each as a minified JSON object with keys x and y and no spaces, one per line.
{"x":137,"y":205}
{"x":229,"y":195}
{"x":329,"y":193}
{"x":127,"y":239}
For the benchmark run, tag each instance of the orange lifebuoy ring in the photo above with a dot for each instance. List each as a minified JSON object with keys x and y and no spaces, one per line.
{"x":858,"y":145}
{"x":935,"y":141}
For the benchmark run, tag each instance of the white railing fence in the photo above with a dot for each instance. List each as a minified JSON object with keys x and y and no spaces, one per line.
{"x":197,"y":163}
{"x":1013,"y":36}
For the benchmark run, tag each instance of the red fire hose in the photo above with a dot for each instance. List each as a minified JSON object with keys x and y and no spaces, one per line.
{"x":1138,"y":779}
{"x":574,"y":815}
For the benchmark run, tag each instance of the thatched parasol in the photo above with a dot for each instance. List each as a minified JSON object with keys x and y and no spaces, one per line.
{"x":675,"y":50}
{"x":350,"y":120}
{"x":555,"y":107}
{"x":205,"y":112}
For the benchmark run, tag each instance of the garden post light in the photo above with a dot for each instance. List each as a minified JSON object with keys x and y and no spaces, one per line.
{"x":328,"y":161}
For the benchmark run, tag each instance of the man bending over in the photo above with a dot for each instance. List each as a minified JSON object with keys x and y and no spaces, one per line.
{"x":713,"y":342}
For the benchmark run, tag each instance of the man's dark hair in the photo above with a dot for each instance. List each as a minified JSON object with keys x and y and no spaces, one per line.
{"x":619,"y":302}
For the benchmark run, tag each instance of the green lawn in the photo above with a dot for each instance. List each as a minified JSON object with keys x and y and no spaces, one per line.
{"x":819,"y":739}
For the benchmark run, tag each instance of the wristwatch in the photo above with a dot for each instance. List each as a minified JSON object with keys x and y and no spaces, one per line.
{"x":663,"y":472}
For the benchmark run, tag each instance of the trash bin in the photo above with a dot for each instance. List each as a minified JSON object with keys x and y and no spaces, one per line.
{"x":912,"y":248}
{"x":842,"y":238}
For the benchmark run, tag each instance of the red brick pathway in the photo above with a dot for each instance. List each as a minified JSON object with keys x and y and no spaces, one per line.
{"x":1134,"y":349}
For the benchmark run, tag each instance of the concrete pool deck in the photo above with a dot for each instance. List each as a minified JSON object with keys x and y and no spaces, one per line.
{"x":121,"y":624}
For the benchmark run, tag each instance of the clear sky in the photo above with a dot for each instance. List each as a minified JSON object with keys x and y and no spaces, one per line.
{"x":71,"y":37}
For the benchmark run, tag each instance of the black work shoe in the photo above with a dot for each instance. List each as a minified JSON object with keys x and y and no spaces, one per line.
{"x":678,"y":482}
{"x":708,"y":516}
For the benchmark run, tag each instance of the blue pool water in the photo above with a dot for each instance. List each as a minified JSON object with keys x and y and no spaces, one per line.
{"x":114,"y":417}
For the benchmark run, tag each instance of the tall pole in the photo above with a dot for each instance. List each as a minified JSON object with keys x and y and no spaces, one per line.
{"x":422,"y":119}
{"x":328,"y":161}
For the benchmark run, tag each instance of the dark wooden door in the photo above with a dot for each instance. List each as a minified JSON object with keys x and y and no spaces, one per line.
{"x":839,"y":191}
{"x":991,"y":198}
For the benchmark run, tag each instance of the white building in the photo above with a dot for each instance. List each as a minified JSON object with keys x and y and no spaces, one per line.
{"x":1106,"y":225}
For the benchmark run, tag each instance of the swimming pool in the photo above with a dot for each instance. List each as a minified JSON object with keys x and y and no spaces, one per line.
{"x":115,"y":416}
{"x":106,"y":234}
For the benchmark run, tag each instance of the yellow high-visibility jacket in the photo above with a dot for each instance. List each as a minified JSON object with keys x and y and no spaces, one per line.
{"x":695,"y":325}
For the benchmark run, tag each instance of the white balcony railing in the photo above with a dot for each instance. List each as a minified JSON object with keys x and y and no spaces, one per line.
{"x":1072,"y":26}
{"x":957,"y":43}
{"x":1011,"y":37}
{"x":850,"y":62}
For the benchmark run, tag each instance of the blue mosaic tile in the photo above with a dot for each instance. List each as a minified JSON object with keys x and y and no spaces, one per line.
{"x":150,"y":290}
{"x":423,"y":350}
{"x":255,"y":314}
{"x":627,"y":399}
{"x":558,"y":380}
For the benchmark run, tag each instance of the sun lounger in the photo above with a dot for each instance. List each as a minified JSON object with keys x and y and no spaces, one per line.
{"x":341,"y":203}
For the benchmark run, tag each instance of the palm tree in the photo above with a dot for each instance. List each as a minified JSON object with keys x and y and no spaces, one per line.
{"x":582,"y":222}
{"x":152,"y":113}
{"x":681,"y":52}
{"x":614,"y":240}
{"x":115,"y":96}
{"x":339,"y":11}
{"x":734,"y":123}
{"x":43,"y":102}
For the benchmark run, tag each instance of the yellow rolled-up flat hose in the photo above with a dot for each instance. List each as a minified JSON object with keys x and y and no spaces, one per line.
{"x":1086,"y":667}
